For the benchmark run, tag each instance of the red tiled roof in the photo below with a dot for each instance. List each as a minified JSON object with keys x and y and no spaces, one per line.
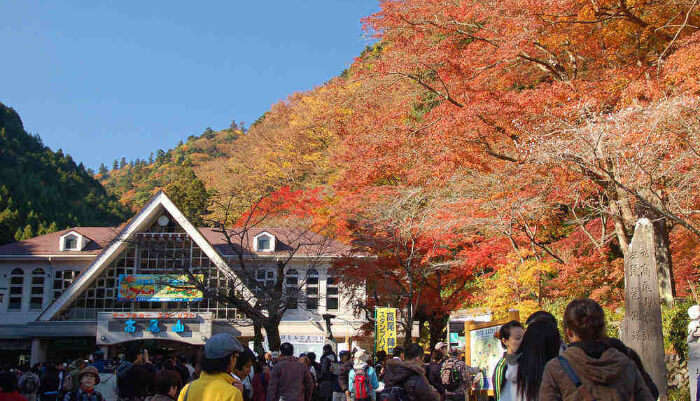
{"x":310,"y":244}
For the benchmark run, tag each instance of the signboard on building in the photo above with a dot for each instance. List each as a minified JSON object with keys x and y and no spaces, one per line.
{"x":385,"y":329}
{"x":188,"y":327}
{"x":158,"y":288}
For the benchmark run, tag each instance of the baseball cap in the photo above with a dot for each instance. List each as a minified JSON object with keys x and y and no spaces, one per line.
{"x":440,"y":345}
{"x":221,"y":345}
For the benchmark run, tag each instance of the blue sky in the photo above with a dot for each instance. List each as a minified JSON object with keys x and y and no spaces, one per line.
{"x":106,"y":79}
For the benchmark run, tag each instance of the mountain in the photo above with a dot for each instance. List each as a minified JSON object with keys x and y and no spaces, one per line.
{"x":43,"y":191}
{"x":135,"y":182}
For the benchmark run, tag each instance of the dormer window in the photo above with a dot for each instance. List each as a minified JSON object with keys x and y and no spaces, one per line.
{"x":264,"y":242}
{"x":72,"y":241}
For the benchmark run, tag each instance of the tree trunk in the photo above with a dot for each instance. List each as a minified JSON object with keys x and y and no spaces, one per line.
{"x":272,"y":330}
{"x":258,"y":340}
{"x":438,"y":324}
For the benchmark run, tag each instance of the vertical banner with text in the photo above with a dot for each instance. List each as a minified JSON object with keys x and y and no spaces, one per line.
{"x":385,"y":329}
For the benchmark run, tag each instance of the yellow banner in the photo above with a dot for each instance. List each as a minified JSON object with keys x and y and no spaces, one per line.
{"x":385,"y":329}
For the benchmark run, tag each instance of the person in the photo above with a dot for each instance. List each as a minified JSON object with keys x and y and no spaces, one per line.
{"x":290,"y":380}
{"x":398,"y":353}
{"x":631,"y":354}
{"x":77,"y":366}
{"x":268,"y":359}
{"x":314,"y":367}
{"x":541,"y":315}
{"x":241,"y":371}
{"x":405,"y":379}
{"x":344,"y":375}
{"x":88,"y":378}
{"x":328,"y":380}
{"x":456,"y":376}
{"x":362,"y":379}
{"x":29,"y":383}
{"x":215,"y":383}
{"x":379,"y":364}
{"x":540,"y":344}
{"x":51,"y":382}
{"x":603,"y":372}
{"x":261,"y":380}
{"x":167,"y":385}
{"x":510,"y":336}
{"x":8,"y":387}
{"x":135,"y":375}
{"x":433,"y":372}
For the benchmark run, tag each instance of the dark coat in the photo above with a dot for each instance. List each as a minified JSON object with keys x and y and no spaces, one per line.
{"x":604,"y":371}
{"x":290,"y":380}
{"x":411,"y":376}
{"x":433,"y":374}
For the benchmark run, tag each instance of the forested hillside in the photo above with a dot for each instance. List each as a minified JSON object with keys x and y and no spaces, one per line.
{"x":43,"y":191}
{"x":134,"y":182}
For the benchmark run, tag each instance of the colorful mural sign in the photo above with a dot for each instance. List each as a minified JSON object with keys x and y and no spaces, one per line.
{"x":158,"y":288}
{"x":385,"y":329}
{"x":485,"y":352}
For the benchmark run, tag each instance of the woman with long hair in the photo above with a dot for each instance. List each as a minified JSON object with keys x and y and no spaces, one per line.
{"x":590,"y":368}
{"x":540,"y":343}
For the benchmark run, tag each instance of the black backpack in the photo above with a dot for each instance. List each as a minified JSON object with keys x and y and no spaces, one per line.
{"x":395,"y":393}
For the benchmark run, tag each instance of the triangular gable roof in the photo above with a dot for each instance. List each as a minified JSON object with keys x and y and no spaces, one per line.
{"x":141,"y":221}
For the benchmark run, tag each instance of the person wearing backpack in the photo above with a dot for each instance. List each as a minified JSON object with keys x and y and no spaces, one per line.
{"x":405,"y":380}
{"x":328,"y":379}
{"x":455,"y":376}
{"x":363,"y":381}
{"x":590,"y":369}
{"x":29,"y":384}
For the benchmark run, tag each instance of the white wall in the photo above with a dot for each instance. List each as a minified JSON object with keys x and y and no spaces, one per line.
{"x":26,"y":314}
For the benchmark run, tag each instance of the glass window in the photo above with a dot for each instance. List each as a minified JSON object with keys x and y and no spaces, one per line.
{"x":312,"y":289}
{"x":263,"y":243}
{"x":292,"y":289}
{"x":16,"y":290}
{"x":331,"y":293}
{"x":70,"y":242}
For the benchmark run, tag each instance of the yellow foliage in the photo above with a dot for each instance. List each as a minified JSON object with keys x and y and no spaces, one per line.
{"x":519,"y":284}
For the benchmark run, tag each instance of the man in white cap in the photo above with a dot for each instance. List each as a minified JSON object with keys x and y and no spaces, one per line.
{"x":215,"y":383}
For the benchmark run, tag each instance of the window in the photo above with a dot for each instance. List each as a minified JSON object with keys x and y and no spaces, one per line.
{"x":37,"y":296}
{"x":291,"y":284}
{"x":266,"y":278}
{"x":331,"y":293}
{"x":16,"y":290}
{"x":70,"y":242}
{"x":312,"y":289}
{"x":264,"y":243}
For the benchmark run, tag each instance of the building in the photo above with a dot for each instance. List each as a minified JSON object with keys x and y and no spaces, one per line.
{"x":65,"y":294}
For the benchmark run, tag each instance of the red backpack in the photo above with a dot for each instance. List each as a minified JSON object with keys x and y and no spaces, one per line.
{"x":361,"y":385}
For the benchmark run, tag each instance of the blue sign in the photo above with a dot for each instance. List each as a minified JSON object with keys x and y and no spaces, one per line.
{"x":179,"y":327}
{"x":130,"y":326}
{"x":154,"y":326}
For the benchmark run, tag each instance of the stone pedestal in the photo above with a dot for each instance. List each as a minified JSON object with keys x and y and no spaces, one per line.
{"x":693,"y":367}
{"x":641,"y":327}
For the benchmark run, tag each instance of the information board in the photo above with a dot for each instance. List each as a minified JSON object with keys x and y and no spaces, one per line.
{"x":158,"y":288}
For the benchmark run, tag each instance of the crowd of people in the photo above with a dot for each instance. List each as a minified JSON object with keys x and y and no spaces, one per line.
{"x":536,"y":366}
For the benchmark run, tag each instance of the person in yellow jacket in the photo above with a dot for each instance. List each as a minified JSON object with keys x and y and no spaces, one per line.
{"x":215,"y":383}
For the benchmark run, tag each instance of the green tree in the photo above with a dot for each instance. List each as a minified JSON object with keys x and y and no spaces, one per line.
{"x":190,"y":195}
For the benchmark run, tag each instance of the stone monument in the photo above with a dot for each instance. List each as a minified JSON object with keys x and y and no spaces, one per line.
{"x":641,"y":327}
{"x":693,"y":349}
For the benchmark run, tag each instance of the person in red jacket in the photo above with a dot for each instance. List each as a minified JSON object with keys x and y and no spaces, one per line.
{"x":8,"y":388}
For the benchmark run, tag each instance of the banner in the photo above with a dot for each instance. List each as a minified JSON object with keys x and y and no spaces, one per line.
{"x":385,"y":329}
{"x":158,"y":288}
